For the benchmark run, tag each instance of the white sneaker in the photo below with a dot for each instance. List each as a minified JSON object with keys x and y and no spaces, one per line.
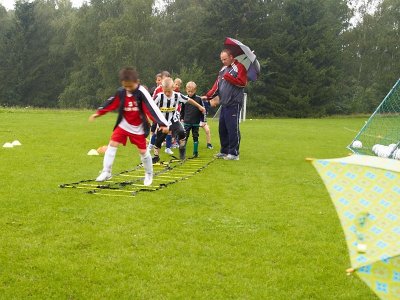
{"x":148,"y":179}
{"x":169,"y":151}
{"x":104,"y":175}
{"x":220,"y":155}
{"x":231,"y":157}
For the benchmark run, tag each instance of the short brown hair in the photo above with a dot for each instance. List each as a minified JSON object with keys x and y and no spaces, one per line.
{"x":128,"y":74}
{"x":227,"y":51}
{"x":165,"y":74}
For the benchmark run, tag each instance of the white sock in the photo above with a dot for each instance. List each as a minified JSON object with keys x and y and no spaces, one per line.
{"x":147,"y":162}
{"x":109,"y":157}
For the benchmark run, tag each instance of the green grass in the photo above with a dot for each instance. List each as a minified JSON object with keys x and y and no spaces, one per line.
{"x":259,"y":228}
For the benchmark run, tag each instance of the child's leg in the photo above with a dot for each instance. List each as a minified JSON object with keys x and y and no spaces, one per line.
{"x":153,"y":139}
{"x":187,"y":130}
{"x":153,"y":135}
{"x":168,"y":141}
{"x":109,"y":156}
{"x":208,"y":133}
{"x":145,"y":157}
{"x":159,"y":140}
{"x":178,"y":130}
{"x":168,"y":144}
{"x":108,"y":161}
{"x":195,"y":132}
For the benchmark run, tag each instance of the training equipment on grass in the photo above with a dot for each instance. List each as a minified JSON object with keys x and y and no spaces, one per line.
{"x":365,"y":191}
{"x":130,"y":182}
{"x":16,"y":143}
{"x":92,"y":152}
{"x":382,"y":128}
{"x":8,"y":145}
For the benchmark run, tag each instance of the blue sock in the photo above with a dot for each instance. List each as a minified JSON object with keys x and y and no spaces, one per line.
{"x":168,"y":141}
{"x":153,"y":139}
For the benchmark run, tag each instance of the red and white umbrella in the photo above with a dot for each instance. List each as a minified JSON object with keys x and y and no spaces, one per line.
{"x":245,"y":56}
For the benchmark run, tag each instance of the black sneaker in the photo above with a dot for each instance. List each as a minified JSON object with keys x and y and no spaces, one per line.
{"x":209,"y":146}
{"x":155,"y":159}
{"x":195,"y":155}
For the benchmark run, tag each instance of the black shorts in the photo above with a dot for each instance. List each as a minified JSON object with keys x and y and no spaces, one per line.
{"x":177,"y":131}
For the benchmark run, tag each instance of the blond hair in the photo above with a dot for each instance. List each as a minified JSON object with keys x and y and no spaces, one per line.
{"x":167,"y":82}
{"x":191,"y":84}
{"x":178,"y":80}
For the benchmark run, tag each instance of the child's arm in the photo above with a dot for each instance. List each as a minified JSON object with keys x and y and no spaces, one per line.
{"x":111,"y":104}
{"x":184,"y":100}
{"x":200,"y":107}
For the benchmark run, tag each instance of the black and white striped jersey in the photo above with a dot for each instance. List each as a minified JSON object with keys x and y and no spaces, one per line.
{"x":170,"y":106}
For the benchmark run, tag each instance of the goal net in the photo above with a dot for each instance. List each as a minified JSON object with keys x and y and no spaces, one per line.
{"x":380,"y":135}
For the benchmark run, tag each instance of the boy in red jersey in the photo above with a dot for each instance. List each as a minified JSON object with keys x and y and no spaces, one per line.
{"x":134,"y":105}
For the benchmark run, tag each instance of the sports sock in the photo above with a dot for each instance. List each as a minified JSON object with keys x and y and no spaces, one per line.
{"x":109,"y":157}
{"x":153,"y":139}
{"x":168,"y":141}
{"x":147,"y":162}
{"x":195,"y":147}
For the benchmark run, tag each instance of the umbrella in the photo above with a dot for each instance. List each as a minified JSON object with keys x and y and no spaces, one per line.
{"x":366,"y":193}
{"x":245,"y":56}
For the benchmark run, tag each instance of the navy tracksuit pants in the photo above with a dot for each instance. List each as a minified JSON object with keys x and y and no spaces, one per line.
{"x":229,"y":133}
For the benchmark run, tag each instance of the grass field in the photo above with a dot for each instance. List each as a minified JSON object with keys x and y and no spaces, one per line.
{"x":259,"y":228}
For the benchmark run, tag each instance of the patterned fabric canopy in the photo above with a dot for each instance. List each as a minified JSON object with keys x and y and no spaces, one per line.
{"x":366,"y":193}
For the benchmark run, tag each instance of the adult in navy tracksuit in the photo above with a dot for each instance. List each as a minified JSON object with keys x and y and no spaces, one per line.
{"x":229,"y":86}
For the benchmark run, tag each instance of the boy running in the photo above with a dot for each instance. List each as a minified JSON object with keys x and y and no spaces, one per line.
{"x":134,"y":104}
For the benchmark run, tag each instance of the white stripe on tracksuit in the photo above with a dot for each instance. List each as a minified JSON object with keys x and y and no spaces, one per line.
{"x":154,"y":110}
{"x":237,"y":127}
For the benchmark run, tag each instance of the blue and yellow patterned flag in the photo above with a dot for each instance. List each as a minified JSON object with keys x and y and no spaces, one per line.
{"x":366,"y":193}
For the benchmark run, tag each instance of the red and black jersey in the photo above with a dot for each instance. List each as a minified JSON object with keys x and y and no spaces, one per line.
{"x":133,"y":110}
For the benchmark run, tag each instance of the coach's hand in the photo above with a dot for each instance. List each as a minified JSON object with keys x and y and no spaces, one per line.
{"x":93,"y":117}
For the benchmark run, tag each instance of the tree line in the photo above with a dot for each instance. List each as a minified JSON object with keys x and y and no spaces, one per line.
{"x":315,"y":61}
